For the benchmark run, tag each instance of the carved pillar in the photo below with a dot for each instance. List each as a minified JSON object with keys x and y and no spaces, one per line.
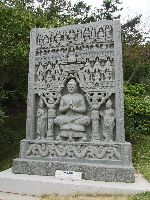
{"x":51,"y":117}
{"x":95,"y":125}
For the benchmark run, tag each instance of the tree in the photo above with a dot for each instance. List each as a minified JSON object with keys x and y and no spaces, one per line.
{"x":16,"y":23}
{"x":29,"y":4}
{"x":57,"y":12}
{"x":109,"y":10}
{"x":81,"y":13}
{"x":17,"y":19}
{"x":136,"y":52}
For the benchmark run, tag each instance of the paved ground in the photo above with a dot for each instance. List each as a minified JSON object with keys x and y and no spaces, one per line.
{"x":11,"y":196}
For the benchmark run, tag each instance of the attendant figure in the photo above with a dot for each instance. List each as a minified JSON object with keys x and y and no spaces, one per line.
{"x":41,"y":120}
{"x":41,"y":73}
{"x":71,"y":55}
{"x":108,"y":70}
{"x":108,"y":121}
{"x":97,"y":78}
{"x":97,"y":67}
{"x":101,"y":35}
{"x":57,"y":72}
{"x":87,"y":71}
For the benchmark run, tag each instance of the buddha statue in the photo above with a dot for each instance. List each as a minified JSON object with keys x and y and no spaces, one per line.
{"x":72,"y":120}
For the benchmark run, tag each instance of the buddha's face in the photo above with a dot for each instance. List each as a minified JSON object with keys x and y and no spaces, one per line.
{"x":72,"y":87}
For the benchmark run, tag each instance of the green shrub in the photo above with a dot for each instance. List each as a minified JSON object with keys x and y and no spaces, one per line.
{"x":137,"y":109}
{"x":2,"y":115}
{"x":6,"y":135}
{"x":6,"y":139}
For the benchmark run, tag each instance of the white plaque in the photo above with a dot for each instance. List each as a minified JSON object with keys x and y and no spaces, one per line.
{"x":68,"y":175}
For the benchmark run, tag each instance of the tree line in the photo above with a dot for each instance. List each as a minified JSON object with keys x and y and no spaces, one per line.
{"x":18,"y":17}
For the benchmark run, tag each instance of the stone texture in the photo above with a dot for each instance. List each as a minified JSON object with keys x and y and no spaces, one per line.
{"x":75,"y":109}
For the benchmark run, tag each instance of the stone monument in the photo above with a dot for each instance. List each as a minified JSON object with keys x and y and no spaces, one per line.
{"x":75,"y":109}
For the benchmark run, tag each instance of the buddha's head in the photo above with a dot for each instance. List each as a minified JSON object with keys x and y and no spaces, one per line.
{"x":108,"y":104}
{"x":72,"y":86}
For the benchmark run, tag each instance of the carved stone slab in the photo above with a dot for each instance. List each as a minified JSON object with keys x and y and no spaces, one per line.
{"x":75,"y":110}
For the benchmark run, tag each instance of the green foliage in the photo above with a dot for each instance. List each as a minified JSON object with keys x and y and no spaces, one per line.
{"x":6,"y":135}
{"x":110,"y":9}
{"x":2,"y":115}
{"x":6,"y":139}
{"x":130,"y":32}
{"x":12,"y":131}
{"x":16,"y":23}
{"x":136,"y":63}
{"x":136,"y":52}
{"x":81,"y":13}
{"x":17,"y":19}
{"x":15,"y":26}
{"x":137,"y":109}
{"x":58,"y":12}
{"x":141,"y":154}
{"x":137,"y":125}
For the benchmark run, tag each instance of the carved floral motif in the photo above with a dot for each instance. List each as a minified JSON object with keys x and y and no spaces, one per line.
{"x":75,"y":151}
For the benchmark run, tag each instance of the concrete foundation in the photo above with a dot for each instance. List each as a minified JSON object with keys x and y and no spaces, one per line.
{"x":40,"y":185}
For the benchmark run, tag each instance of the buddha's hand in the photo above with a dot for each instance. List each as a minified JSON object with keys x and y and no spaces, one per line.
{"x":71,"y":105}
{"x":67,"y":106}
{"x":101,"y":113}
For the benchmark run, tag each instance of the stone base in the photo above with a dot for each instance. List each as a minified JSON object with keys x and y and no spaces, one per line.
{"x":97,"y":172}
{"x":97,"y":161}
{"x":41,"y":185}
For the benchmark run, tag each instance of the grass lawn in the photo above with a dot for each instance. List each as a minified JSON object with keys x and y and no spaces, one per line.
{"x":143,"y":196}
{"x":141,"y":160}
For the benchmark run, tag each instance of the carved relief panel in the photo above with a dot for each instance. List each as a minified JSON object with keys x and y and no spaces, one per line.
{"x":74,"y":83}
